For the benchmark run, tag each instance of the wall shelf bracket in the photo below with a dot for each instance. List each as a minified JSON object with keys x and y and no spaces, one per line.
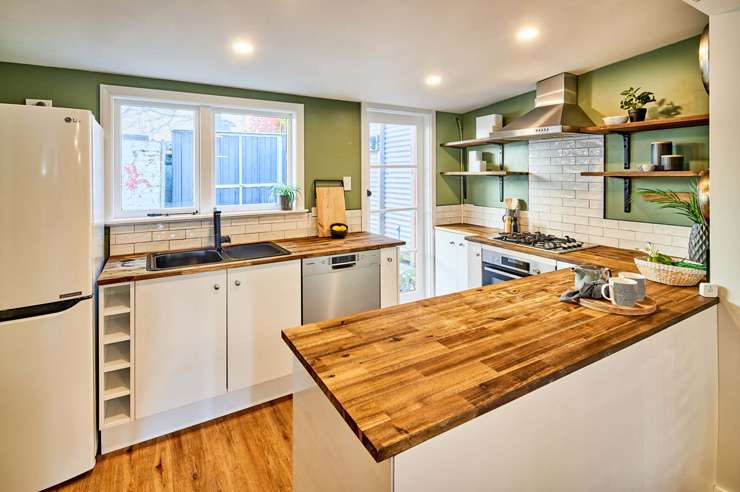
{"x":627,"y":195}
{"x":626,"y":146}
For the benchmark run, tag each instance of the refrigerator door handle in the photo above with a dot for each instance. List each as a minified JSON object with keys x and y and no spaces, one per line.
{"x":39,"y":309}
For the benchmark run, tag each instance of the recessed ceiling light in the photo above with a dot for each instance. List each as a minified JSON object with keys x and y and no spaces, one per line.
{"x":242,"y":47}
{"x":527,"y":34}
{"x":434,"y":80}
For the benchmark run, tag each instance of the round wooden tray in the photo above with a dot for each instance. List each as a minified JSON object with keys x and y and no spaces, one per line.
{"x":646,"y":306}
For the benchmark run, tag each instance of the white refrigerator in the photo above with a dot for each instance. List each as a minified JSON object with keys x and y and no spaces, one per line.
{"x":51,"y":250}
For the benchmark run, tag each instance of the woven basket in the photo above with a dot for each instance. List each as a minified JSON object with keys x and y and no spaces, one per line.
{"x":669,"y":274}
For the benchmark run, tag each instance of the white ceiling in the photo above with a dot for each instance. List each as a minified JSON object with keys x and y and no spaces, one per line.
{"x":378,"y":51}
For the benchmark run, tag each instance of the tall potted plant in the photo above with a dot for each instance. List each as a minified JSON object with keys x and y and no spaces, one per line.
{"x":699,"y":237}
{"x":634,"y":102}
{"x":287,"y":194}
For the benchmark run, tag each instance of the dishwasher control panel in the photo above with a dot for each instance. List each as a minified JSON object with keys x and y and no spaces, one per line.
{"x":338,"y":262}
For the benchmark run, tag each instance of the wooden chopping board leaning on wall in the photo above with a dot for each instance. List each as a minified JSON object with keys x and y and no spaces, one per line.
{"x":330,"y":208}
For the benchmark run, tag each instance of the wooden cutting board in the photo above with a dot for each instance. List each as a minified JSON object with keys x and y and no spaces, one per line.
{"x":330,"y":208}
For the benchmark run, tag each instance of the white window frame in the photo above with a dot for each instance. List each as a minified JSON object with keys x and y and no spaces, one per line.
{"x":204,"y":189}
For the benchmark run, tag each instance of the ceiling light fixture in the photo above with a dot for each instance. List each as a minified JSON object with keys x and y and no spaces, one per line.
{"x":242,"y":47}
{"x":527,"y":34}
{"x":433,"y":80}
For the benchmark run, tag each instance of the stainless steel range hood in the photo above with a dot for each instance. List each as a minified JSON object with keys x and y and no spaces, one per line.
{"x":556,"y":112}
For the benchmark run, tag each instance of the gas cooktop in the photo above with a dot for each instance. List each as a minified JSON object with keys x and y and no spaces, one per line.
{"x":546,"y":242}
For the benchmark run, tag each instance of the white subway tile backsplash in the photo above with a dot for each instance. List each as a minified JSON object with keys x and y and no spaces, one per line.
{"x":186,"y":244}
{"x":678,"y":231}
{"x":269,"y":236}
{"x":168,"y":235}
{"x":121,"y":249}
{"x":185,"y":234}
{"x":636,"y":226}
{"x":134,"y":237}
{"x":151,"y":246}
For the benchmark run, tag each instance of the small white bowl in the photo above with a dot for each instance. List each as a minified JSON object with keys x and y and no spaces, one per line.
{"x":614,"y":120}
{"x":646,"y":168}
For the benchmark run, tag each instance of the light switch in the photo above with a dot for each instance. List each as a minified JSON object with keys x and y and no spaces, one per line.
{"x":347,"y":183}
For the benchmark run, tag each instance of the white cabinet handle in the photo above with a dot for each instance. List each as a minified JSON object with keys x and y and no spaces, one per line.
{"x":216,"y":287}
{"x":237,"y":282}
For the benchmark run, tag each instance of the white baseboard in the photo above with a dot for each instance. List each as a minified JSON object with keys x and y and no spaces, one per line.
{"x":141,"y":430}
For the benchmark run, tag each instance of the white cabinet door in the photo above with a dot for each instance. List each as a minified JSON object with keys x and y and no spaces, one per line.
{"x":445,"y":262}
{"x":389,"y":290}
{"x":180,"y":341}
{"x":451,"y":263}
{"x":263,"y":299}
{"x":475,"y":265}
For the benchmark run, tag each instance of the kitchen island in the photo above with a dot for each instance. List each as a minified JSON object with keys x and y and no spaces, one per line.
{"x":504,"y":387}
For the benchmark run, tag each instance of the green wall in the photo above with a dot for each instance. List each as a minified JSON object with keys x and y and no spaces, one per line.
{"x":672,"y":73}
{"x":332,"y":128}
{"x":448,"y":189}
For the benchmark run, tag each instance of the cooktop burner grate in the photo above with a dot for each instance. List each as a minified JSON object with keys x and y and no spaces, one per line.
{"x":546,"y":242}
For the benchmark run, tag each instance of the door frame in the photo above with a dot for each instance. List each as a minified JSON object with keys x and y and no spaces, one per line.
{"x":429,"y":190}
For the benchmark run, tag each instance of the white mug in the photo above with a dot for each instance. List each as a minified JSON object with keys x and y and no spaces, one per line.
{"x":622,"y":291}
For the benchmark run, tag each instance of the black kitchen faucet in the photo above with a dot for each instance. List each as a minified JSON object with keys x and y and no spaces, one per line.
{"x":218,"y":239}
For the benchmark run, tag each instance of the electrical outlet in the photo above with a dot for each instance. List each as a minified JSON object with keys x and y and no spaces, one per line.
{"x":38,"y":102}
{"x":347,"y":183}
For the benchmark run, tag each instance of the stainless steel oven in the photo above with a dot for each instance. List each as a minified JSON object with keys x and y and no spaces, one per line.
{"x":501,"y":266}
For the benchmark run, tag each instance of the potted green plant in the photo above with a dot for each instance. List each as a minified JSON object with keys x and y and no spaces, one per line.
{"x":634,"y":102}
{"x":689,"y":208}
{"x":287,"y":194}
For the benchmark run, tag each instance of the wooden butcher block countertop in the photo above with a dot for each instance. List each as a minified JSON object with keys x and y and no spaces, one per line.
{"x":130,"y":268}
{"x":404,"y":374}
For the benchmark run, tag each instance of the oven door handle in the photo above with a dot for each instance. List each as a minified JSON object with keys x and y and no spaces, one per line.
{"x":503,"y":273}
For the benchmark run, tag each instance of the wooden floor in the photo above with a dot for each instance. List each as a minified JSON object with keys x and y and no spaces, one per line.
{"x":246,"y":451}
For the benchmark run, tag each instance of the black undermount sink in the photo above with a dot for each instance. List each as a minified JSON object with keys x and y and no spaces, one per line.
{"x":252,"y":251}
{"x":164,"y":261}
{"x":177,"y":259}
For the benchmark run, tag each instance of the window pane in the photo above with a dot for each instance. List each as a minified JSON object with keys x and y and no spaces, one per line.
{"x":400,"y":225}
{"x":392,"y":188}
{"x":251,"y":149}
{"x":392,"y":144}
{"x":157,"y":157}
{"x":227,"y":196}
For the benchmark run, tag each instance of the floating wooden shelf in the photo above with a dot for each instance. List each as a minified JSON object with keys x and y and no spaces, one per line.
{"x":650,"y":197}
{"x":500,"y":174}
{"x":649,"y":125}
{"x":464,"y":144}
{"x":641,"y":174}
{"x":627,"y":176}
{"x":484,"y":173}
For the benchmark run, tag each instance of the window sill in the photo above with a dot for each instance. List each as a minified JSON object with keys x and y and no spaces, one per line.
{"x":185,"y":218}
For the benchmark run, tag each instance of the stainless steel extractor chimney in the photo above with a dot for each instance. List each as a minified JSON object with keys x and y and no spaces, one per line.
{"x":556,"y":112}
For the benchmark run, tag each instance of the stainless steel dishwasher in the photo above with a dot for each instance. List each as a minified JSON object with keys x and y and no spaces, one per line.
{"x":339,"y":285}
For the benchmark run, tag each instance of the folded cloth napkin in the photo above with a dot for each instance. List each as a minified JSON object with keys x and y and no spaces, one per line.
{"x":590,"y":290}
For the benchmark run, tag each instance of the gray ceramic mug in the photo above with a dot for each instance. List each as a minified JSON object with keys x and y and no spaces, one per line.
{"x":622,"y":291}
{"x":641,"y":283}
